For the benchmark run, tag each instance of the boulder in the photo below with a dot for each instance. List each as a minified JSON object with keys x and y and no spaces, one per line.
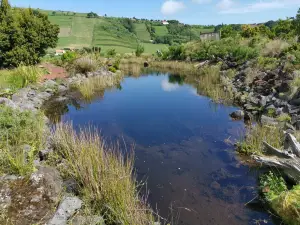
{"x":7,"y":102}
{"x":146,"y":64}
{"x":239,"y":114}
{"x":87,"y":220}
{"x":65,"y":211}
{"x":30,"y":201}
{"x":265,"y":120}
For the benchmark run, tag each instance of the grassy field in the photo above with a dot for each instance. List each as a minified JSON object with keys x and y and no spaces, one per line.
{"x":142,"y":33}
{"x":161,"y":30}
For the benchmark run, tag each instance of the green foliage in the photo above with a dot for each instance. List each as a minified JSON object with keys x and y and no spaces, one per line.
{"x":284,"y":118}
{"x":228,"y":31}
{"x":272,"y":186}
{"x":176,"y":53}
{"x":16,"y":130}
{"x":20,"y":77}
{"x":139,"y":50}
{"x":267,"y":63}
{"x":111,"y":53}
{"x":243,"y":53}
{"x":112,"y":69}
{"x":128,"y":24}
{"x":25,"y":36}
{"x":92,"y":15}
{"x":296,"y":24}
{"x":68,"y":57}
{"x":284,"y":29}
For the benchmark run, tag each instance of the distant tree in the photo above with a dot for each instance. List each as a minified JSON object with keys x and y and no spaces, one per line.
{"x":284,"y":29}
{"x":249,"y":31}
{"x":270,"y":24}
{"x":53,"y":13}
{"x":74,"y":14}
{"x":296,"y":25}
{"x":227,"y":31}
{"x":92,"y":15}
{"x":128,"y":24}
{"x":105,"y":15}
{"x":25,"y":35}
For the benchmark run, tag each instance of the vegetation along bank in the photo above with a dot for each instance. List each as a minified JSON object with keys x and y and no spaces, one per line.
{"x":59,"y":176}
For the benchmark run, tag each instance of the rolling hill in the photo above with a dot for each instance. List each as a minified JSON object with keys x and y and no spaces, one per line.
{"x":77,"y":31}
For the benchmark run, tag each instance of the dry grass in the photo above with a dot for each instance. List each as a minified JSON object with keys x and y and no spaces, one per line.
{"x":274,"y":48}
{"x":95,"y":84}
{"x":256,"y":135}
{"x":287,"y":206}
{"x":106,"y":176}
{"x":131,"y":69}
{"x":85,"y":64}
{"x":175,"y":67}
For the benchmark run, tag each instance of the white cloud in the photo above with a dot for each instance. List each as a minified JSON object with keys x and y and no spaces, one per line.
{"x":169,"y":87}
{"x":230,"y":7}
{"x":225,"y":4}
{"x":171,"y":7}
{"x":201,"y":1}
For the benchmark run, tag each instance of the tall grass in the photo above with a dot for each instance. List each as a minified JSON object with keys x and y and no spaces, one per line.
{"x":105,"y":176}
{"x":16,"y":130}
{"x":20,"y":77}
{"x":252,"y":143}
{"x":274,"y":48}
{"x":175,"y":67}
{"x":95,"y":84}
{"x":85,"y":64}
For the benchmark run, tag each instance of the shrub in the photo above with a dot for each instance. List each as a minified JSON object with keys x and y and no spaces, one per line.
{"x":68,"y":57}
{"x":111,"y":53}
{"x":85,"y":64}
{"x":105,"y":176}
{"x":139,"y":50}
{"x":24,"y":75}
{"x":176,"y":53}
{"x":16,"y":130}
{"x":243,"y":53}
{"x":284,"y":118}
{"x":112,"y":69}
{"x":274,"y":48}
{"x":267,"y":63}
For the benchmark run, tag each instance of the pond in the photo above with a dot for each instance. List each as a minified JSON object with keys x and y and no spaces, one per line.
{"x":193,"y":174}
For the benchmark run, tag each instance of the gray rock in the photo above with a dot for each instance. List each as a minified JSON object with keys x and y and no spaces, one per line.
{"x":71,"y":186}
{"x":89,"y":220}
{"x":7,"y":102}
{"x":65,"y":211}
{"x":50,"y":84}
{"x":62,"y":88}
{"x":279,"y":111}
{"x":239,"y":114}
{"x":21,"y":95}
{"x":268,"y":120}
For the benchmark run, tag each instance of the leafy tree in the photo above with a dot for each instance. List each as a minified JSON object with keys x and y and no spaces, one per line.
{"x":296,"y":24}
{"x":227,"y":31}
{"x":139,"y":50}
{"x":249,"y":31}
{"x":92,"y":15}
{"x":24,"y":36}
{"x":128,"y":24}
{"x":283,"y":29}
{"x":53,"y":13}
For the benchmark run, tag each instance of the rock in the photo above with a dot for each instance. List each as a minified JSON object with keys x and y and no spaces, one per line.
{"x":50,"y":84}
{"x":31,"y":201}
{"x":21,"y":95}
{"x":146,"y":64}
{"x":239,"y":114}
{"x":62,"y":88}
{"x":215,"y":185}
{"x":7,"y":102}
{"x":262,"y":101}
{"x":297,"y":125}
{"x":71,"y":186}
{"x":279,"y":111}
{"x":248,"y":117}
{"x":89,"y":220}
{"x":43,"y":154}
{"x":65,"y":211}
{"x":201,"y":64}
{"x":284,"y":87}
{"x":268,"y":120}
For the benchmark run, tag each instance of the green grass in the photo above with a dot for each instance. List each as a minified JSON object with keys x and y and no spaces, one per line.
{"x":142,"y":33}
{"x":16,"y":130}
{"x":161,"y":30}
{"x":152,"y":48}
{"x":105,"y":176}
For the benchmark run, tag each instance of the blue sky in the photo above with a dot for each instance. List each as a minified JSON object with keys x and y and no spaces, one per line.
{"x":187,"y":11}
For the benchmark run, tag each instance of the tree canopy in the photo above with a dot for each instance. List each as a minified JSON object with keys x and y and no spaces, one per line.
{"x":25,"y":35}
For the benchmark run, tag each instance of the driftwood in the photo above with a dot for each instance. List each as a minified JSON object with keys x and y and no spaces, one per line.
{"x":288,"y":159}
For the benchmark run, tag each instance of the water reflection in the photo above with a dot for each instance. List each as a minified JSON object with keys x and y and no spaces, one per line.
{"x":180,"y":148}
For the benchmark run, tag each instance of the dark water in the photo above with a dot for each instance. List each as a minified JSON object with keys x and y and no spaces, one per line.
{"x":192,"y":174}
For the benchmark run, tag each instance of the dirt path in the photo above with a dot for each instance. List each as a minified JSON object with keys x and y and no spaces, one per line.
{"x":54,"y":71}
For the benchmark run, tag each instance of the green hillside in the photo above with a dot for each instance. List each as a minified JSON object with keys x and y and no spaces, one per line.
{"x":77,"y":31}
{"x":141,"y":32}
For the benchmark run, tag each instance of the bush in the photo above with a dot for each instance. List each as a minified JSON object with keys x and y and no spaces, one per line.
{"x":111,"y":53}
{"x":139,"y":50}
{"x":176,"y":53}
{"x":243,"y":53}
{"x":112,"y":69}
{"x":85,"y":64}
{"x":68,"y":57}
{"x":267,"y":63}
{"x":16,"y":130}
{"x":24,"y":75}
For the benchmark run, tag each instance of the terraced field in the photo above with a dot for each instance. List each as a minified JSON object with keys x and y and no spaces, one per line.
{"x":161,"y":30}
{"x":142,"y":33}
